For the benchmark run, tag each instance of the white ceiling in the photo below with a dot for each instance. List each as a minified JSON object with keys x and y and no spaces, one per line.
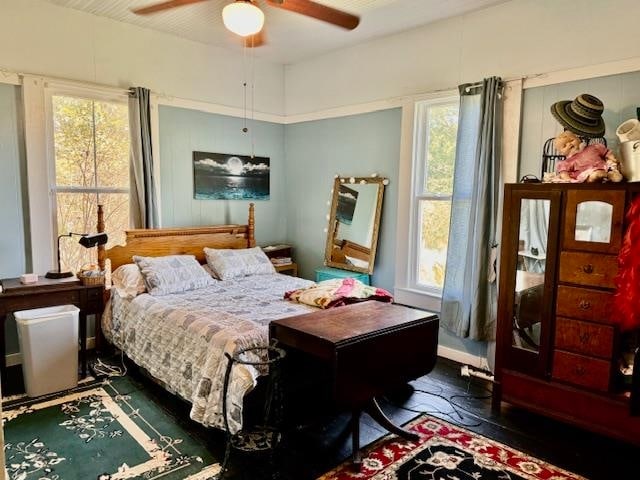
{"x":290,"y":37}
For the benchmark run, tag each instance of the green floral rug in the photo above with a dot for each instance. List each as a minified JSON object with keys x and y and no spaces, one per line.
{"x":104,"y":430}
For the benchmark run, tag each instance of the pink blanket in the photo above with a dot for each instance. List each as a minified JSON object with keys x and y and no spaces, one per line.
{"x":337,"y":292}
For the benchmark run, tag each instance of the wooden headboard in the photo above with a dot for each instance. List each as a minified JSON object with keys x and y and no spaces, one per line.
{"x":158,"y":242}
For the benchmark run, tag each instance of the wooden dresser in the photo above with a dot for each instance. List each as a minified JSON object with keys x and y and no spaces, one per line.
{"x":559,"y":350}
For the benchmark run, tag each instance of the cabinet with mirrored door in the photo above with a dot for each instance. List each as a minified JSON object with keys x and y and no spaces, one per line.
{"x":559,"y":351}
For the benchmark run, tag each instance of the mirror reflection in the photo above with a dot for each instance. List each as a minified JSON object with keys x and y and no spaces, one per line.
{"x":594,"y":220}
{"x":354,"y":223}
{"x":529,"y":290}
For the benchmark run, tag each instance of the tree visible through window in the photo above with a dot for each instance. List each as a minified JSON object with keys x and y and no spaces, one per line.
{"x":436,"y":158}
{"x":91,"y":146}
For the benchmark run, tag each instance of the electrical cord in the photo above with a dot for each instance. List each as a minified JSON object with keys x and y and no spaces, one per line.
{"x":108,"y":370}
{"x":454,"y":415}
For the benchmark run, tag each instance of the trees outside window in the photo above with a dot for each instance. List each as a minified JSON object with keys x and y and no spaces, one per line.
{"x":91,"y":150}
{"x":434,"y":158}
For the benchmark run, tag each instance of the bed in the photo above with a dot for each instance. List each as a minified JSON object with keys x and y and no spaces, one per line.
{"x":180,"y":338}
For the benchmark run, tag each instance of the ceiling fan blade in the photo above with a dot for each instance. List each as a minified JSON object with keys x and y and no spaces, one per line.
{"x":256,"y":40}
{"x":318,"y":11}
{"x":157,"y":7}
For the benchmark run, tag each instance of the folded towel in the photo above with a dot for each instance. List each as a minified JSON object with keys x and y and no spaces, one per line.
{"x":337,"y":292}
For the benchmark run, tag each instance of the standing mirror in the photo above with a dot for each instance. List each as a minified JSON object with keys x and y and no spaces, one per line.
{"x":354,"y":222}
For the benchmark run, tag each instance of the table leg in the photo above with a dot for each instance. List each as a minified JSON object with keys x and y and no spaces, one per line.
{"x":375,"y":412}
{"x":356,"y":460}
{"x":83,"y":342}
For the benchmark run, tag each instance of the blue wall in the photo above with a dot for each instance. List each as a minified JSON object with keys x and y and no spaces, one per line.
{"x":14,"y":259}
{"x":184,"y":131}
{"x":316,"y":151}
{"x":305,"y":157}
{"x":619,"y":93}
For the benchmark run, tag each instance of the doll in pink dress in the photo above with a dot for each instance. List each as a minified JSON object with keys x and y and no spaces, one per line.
{"x":591,"y":163}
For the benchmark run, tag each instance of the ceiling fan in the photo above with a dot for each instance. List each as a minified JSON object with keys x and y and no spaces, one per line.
{"x":246,"y":19}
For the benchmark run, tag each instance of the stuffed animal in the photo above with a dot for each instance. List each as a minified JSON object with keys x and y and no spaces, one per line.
{"x":590,"y":163}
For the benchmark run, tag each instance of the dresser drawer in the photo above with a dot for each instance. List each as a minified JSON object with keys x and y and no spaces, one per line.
{"x":584,"y":337}
{"x":584,"y":304}
{"x":595,"y":270}
{"x":580,"y":370}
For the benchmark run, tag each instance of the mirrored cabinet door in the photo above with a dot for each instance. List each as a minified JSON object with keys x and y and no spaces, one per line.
{"x":529,"y":254}
{"x":594,"y":220}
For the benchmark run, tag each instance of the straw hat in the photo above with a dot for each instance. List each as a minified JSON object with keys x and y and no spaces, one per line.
{"x":583,"y":115}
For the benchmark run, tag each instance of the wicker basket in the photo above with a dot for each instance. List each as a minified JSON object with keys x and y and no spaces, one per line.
{"x":91,"y":280}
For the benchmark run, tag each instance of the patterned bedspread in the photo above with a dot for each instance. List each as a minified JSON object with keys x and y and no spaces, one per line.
{"x":180,"y":339}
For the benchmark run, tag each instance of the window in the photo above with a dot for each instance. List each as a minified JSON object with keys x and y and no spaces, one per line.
{"x":91,"y":153}
{"x":436,"y":128}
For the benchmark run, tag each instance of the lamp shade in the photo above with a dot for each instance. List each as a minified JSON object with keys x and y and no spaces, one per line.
{"x":89,"y":241}
{"x":243,"y":18}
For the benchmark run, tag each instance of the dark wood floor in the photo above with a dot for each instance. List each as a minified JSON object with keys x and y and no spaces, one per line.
{"x":323,"y":442}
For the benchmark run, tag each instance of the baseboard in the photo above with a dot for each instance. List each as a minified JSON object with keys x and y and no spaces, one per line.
{"x":463,"y":357}
{"x":16,"y":358}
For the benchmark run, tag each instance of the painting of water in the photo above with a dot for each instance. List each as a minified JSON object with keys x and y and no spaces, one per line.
{"x":223,"y":176}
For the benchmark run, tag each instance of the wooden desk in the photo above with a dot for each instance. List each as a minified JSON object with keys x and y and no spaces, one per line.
{"x":370,"y":347}
{"x":49,"y":293}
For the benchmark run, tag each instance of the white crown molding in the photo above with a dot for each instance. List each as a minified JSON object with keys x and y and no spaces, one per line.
{"x":207,"y":107}
{"x":583,"y":73}
{"x":10,"y":78}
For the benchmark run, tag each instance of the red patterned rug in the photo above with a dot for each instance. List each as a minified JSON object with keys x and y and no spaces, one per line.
{"x":446,"y":452}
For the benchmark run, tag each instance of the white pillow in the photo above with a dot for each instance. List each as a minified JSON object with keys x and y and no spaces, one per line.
{"x":172,"y":274}
{"x":128,"y":280}
{"x":235,"y":263}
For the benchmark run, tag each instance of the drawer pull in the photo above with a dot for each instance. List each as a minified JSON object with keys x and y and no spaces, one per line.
{"x":585,"y":304}
{"x":580,"y":370}
{"x":584,"y":337}
{"x":588,"y":268}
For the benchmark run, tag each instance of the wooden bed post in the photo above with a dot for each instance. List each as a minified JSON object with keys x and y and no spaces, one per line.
{"x":100,"y":228}
{"x":252,"y":226}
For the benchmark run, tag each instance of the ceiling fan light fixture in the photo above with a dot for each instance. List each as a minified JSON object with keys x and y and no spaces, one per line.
{"x":243,"y":18}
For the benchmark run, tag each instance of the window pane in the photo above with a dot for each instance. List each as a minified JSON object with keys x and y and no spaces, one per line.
{"x":79,"y":162}
{"x":73,"y":141}
{"x":434,"y":235}
{"x":442,"y":128}
{"x":112,"y":144}
{"x":116,"y":216}
{"x":77,"y":212}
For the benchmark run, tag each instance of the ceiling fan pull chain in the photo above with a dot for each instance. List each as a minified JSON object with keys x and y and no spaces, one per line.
{"x":253,"y":96}
{"x":244,"y":89}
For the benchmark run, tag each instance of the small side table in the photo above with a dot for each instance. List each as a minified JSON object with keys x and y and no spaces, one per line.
{"x":50,"y":293}
{"x":327,"y":273}
{"x":288,"y":269}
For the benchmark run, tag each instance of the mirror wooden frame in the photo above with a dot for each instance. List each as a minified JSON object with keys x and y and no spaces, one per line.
{"x":331,"y":232}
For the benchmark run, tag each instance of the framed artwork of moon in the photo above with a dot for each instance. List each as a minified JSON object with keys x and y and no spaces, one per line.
{"x":224,"y":176}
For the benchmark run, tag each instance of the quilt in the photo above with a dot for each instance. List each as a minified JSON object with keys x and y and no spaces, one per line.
{"x":181,"y":338}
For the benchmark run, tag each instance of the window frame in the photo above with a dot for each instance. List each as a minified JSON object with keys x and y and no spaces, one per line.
{"x":87,"y":93}
{"x":418,"y":192}
{"x":407,"y":291}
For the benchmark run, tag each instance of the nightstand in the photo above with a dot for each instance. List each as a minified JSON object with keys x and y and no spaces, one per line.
{"x":327,"y":273}
{"x":282,"y":251}
{"x":50,"y":293}
{"x":288,"y":269}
